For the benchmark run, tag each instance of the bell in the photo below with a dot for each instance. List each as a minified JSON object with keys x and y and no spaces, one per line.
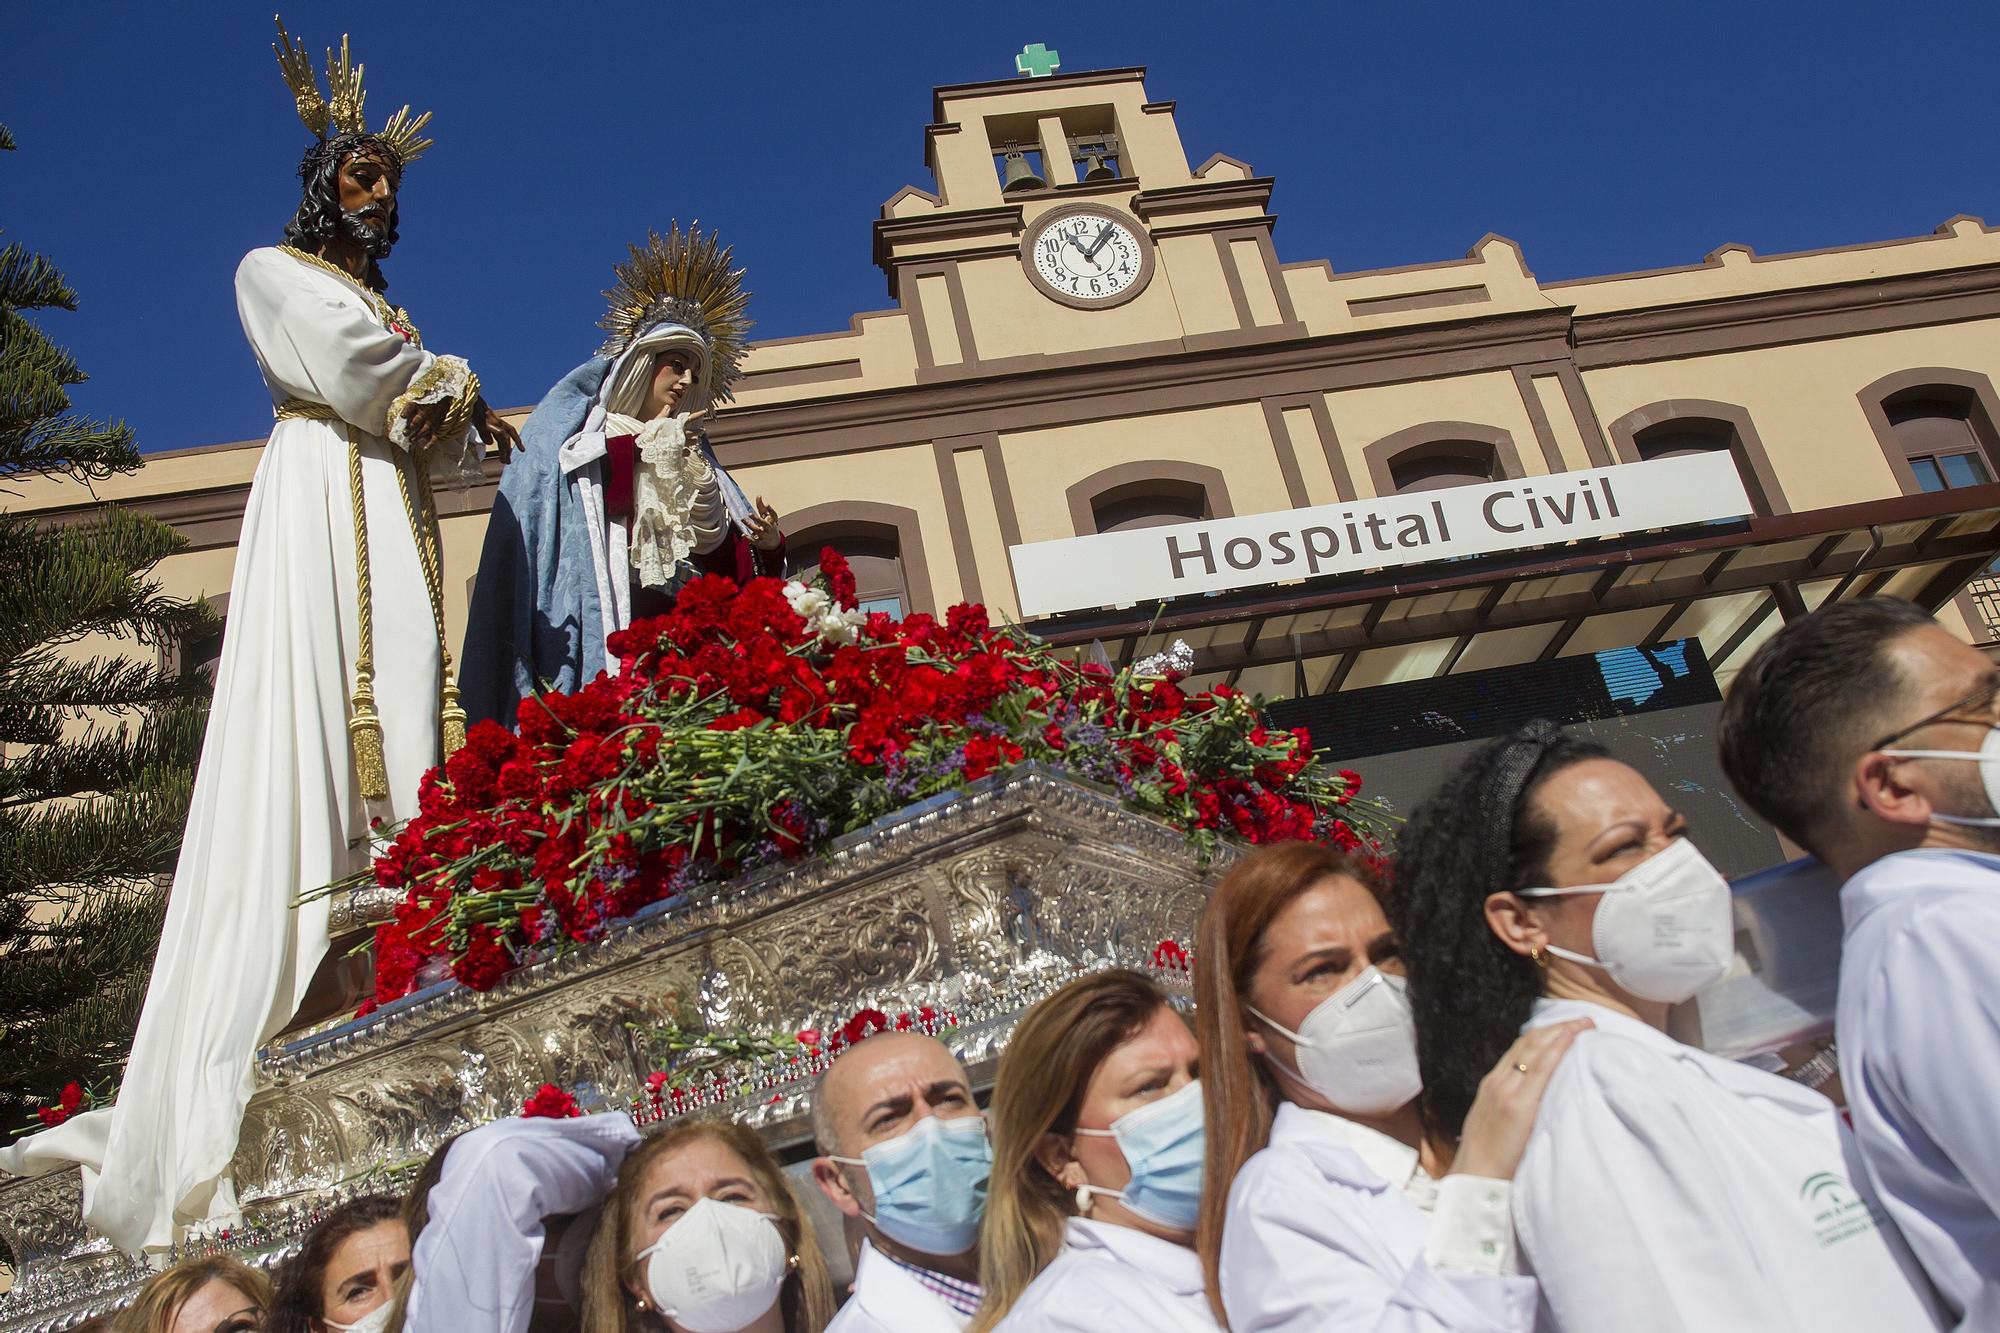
{"x":1018,"y":175}
{"x":1095,"y":170}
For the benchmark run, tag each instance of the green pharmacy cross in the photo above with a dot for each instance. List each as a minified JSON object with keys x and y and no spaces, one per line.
{"x":1037,"y":61}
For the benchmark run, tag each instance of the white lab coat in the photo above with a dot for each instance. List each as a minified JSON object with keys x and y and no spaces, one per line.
{"x":474,"y":1264}
{"x":1667,"y":1190}
{"x":1317,"y":1239}
{"x":887,"y":1299}
{"x":1111,"y":1277}
{"x":1919,"y":1024}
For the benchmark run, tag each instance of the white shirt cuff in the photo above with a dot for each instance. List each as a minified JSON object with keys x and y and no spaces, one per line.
{"x":1472,"y":1227}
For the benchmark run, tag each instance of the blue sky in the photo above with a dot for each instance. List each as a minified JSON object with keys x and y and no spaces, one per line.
{"x":158,"y":144}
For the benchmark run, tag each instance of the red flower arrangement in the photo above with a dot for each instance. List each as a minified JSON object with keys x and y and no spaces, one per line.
{"x":752,"y":725}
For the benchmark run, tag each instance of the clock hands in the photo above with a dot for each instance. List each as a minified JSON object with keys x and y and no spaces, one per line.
{"x":1104,"y":235}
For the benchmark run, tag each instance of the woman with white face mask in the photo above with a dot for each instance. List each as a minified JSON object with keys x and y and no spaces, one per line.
{"x":1097,"y":1166}
{"x":344,"y":1278}
{"x":701,"y":1234}
{"x":1665,"y":1190}
{"x":1327,"y":1206}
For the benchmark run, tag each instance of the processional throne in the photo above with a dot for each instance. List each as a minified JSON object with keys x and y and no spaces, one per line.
{"x":974,"y":905}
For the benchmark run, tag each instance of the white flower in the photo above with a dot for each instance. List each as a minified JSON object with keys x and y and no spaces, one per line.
{"x":841,"y":626}
{"x":809,"y":603}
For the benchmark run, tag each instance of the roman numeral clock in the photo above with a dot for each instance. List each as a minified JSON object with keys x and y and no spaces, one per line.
{"x":1088,"y":256}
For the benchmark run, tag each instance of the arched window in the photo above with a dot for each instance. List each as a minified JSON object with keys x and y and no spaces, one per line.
{"x":1937,"y":436}
{"x":1937,"y":426}
{"x":1151,"y":494}
{"x":876,"y":557}
{"x":1677,"y":428}
{"x":1431,"y":467}
{"x":1149,"y":505}
{"x":1439,"y":454}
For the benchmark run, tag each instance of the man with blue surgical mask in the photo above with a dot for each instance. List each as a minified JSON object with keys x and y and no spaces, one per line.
{"x":906,"y":1157}
{"x":1871,"y":736}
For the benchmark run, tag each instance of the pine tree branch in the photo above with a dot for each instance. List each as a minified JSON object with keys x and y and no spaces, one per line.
{"x":59,"y":584}
{"x":28,"y":281}
{"x":107,"y":759}
{"x":48,"y":850}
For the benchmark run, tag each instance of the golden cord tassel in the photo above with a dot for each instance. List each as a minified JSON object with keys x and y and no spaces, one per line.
{"x":364,"y":727}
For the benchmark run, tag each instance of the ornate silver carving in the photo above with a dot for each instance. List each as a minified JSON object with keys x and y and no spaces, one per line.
{"x":981,"y":903}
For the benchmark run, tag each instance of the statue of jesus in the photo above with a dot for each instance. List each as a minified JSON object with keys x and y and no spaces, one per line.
{"x":334,"y":693}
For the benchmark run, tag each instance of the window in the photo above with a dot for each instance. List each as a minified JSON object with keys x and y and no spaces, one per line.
{"x":1433,"y":467}
{"x":1149,"y":509}
{"x":1678,"y":439}
{"x":1938,"y":438}
{"x":877,"y":563}
{"x":1685,"y":427}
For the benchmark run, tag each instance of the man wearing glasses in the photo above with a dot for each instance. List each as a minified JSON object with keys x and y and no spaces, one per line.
{"x":1871,"y":737}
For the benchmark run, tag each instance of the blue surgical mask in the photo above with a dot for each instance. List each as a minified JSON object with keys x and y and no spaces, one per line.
{"x":1164,"y":1144}
{"x":930,"y":1183}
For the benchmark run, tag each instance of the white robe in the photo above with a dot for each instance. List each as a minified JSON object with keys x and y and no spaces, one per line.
{"x":1920,"y":1058}
{"x":1319,"y":1237}
{"x":1113,"y":1277}
{"x":1667,"y":1190}
{"x":276,"y":809}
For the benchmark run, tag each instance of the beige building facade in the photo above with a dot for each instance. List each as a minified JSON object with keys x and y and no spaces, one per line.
{"x":999,"y":400}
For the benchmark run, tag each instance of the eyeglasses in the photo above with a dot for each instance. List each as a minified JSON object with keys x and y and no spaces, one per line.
{"x":1981,"y":701}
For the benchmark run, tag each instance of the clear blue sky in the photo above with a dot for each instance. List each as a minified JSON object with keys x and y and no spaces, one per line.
{"x":158,"y":144}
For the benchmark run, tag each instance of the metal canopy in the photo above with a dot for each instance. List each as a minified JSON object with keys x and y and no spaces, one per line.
{"x":1730,"y":585}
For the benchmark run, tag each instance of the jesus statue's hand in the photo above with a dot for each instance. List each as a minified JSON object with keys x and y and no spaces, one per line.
{"x":496,"y":429}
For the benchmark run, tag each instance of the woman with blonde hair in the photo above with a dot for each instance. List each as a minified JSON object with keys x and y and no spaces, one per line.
{"x":1328,"y":1204}
{"x":1096,"y":1124}
{"x":214,"y":1295}
{"x":701,"y":1234}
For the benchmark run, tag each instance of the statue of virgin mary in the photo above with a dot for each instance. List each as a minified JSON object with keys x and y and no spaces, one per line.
{"x":618,"y":499}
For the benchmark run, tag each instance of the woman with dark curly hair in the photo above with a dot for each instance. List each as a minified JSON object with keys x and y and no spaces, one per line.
{"x":1325,"y":1205}
{"x":1664,"y":1189}
{"x":346,"y":1276}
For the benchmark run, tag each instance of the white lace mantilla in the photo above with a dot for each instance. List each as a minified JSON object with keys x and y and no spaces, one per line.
{"x":676,"y":504}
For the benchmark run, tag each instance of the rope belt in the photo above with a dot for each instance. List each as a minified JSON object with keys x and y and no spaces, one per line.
{"x":364,"y":724}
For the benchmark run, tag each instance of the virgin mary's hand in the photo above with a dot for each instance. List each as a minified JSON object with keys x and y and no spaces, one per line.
{"x":761,"y":527}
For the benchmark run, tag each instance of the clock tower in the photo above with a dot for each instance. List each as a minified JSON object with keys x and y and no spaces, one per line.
{"x":1064,"y":226}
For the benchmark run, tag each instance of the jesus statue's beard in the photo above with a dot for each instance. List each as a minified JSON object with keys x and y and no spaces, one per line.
{"x":373,"y":240}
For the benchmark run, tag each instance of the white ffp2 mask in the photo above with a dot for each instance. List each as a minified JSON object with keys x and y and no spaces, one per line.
{"x":1664,"y":929}
{"x":717,"y":1268}
{"x":1358,"y":1047}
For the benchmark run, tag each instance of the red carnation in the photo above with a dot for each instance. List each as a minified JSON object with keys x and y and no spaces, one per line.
{"x":864,"y":1023}
{"x":72,"y":1096}
{"x":839,"y":578}
{"x":484,"y":961}
{"x":550,"y":1103}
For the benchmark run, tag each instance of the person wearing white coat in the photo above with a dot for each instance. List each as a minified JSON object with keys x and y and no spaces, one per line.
{"x":1326,"y":1203}
{"x":475,"y":1258}
{"x":1664,"y":1190}
{"x":1098,"y":1159}
{"x":1868,"y":734}
{"x":906,"y":1158}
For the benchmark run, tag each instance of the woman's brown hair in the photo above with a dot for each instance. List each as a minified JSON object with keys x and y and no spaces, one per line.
{"x":1239,"y":1094}
{"x":1039,"y":1091}
{"x":807,"y":1296}
{"x":153,"y":1310}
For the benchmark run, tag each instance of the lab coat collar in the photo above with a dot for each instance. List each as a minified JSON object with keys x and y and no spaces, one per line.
{"x":1732,"y":1076}
{"x":1176,"y":1267}
{"x":1346,"y":1153}
{"x":1900,"y":873}
{"x":895,"y":1299}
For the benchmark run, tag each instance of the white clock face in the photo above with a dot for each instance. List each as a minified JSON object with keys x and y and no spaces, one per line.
{"x":1087,"y":257}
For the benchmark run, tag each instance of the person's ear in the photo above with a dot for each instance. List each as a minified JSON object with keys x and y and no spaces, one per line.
{"x":1253,"y":1035}
{"x":1514,"y":920}
{"x":1892,"y":790}
{"x":832,"y":1182}
{"x":1053,"y":1154}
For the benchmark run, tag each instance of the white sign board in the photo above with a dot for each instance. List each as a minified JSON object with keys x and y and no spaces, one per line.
{"x":1154,"y":564}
